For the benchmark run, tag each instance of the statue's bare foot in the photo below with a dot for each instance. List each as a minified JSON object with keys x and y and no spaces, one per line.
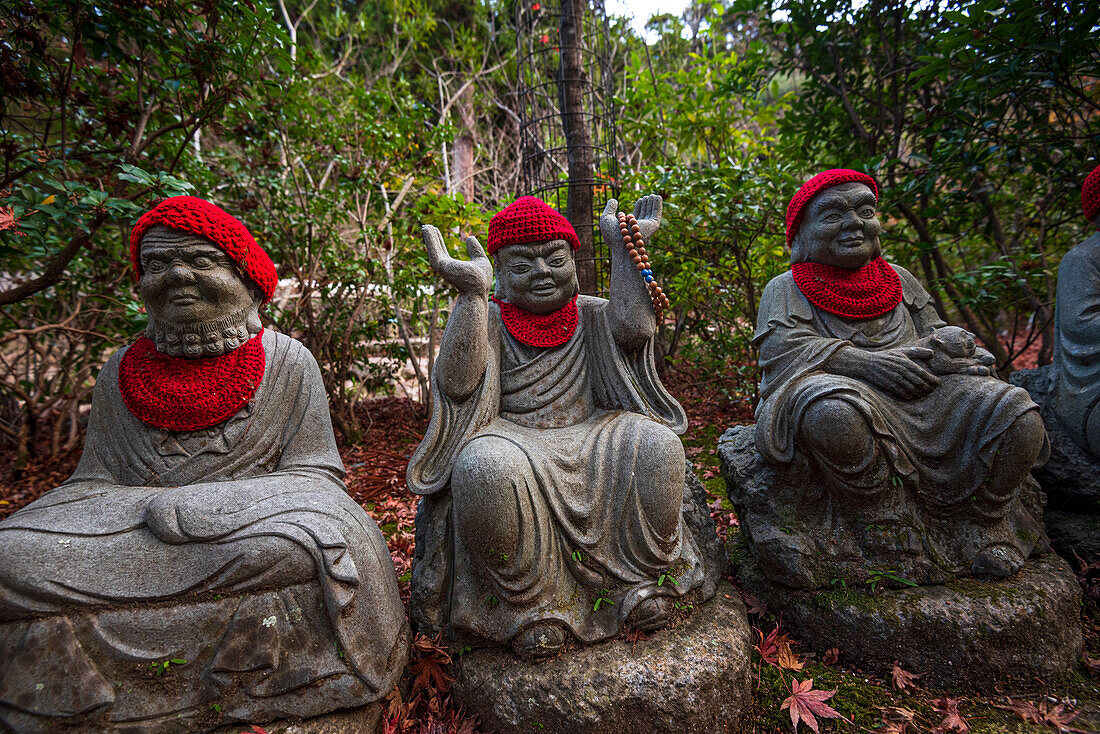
{"x":540,"y":640}
{"x":651,"y":614}
{"x":997,"y":562}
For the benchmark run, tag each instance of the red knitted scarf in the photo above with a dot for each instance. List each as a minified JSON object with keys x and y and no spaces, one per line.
{"x":540,"y":330}
{"x":180,"y":394}
{"x":864,"y":293}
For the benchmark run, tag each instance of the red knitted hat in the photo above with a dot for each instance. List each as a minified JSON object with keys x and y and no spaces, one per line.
{"x":528,"y":219}
{"x":817,"y":184}
{"x":1090,"y":194}
{"x":190,"y":214}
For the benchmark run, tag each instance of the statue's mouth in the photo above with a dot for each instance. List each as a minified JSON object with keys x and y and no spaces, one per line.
{"x":183,"y":299}
{"x":543,"y":288}
{"x":851,"y":242}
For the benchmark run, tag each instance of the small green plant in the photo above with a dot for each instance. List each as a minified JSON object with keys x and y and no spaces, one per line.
{"x":602,"y":600}
{"x":578,"y":556}
{"x":462,"y":651}
{"x":667,"y":576}
{"x":683,"y":605}
{"x":164,"y":667}
{"x":878,"y":576}
{"x":217,"y":708}
{"x":492,"y":600}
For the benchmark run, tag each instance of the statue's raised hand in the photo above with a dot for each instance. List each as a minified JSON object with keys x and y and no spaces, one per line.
{"x":473,"y":276}
{"x":647,"y":211}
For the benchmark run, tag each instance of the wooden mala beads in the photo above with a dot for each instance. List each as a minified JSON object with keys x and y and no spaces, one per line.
{"x":632,"y":240}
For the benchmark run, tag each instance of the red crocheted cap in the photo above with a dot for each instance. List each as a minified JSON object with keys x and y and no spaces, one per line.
{"x":528,"y":219}
{"x":817,"y":184}
{"x":191,"y":214}
{"x":1090,"y":194}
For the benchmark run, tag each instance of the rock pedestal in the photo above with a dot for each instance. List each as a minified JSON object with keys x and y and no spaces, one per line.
{"x":962,"y":634}
{"x":694,"y":677}
{"x":1070,"y":478}
{"x":852,"y":583}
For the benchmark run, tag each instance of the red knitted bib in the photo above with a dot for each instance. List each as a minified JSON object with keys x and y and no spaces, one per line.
{"x":540,"y":330}
{"x":180,"y":394}
{"x":864,"y":293}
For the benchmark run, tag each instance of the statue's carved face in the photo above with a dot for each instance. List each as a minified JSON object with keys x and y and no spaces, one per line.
{"x":839,"y":228}
{"x":537,"y":277}
{"x":186,"y":279}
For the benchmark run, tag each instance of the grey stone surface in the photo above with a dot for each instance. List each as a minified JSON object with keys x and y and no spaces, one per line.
{"x":234,"y":549}
{"x":1075,"y":369}
{"x":892,"y":444}
{"x":1070,"y":478}
{"x":959,"y":635}
{"x":551,"y":477}
{"x":364,"y":720}
{"x":693,"y":678}
{"x":802,"y":538}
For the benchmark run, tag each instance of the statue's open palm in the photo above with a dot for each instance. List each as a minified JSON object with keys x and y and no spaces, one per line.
{"x":647,"y":211}
{"x":473,"y":276}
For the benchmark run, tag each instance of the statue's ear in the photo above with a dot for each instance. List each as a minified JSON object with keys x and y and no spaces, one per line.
{"x":797,"y":249}
{"x":576,"y":282}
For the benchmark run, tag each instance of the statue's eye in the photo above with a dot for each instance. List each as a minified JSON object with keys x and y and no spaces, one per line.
{"x":520,"y":268}
{"x":833,"y":216}
{"x":203,"y":262}
{"x":867,"y":212}
{"x":557,"y":262}
{"x":155,"y":266}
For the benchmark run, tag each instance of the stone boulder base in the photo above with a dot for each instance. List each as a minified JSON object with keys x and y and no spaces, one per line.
{"x":963,"y":634}
{"x":693,"y":678}
{"x":1071,"y":479}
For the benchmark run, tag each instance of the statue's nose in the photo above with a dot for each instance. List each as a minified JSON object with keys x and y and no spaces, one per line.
{"x":541,"y":267}
{"x":852,"y":220}
{"x":180,"y":272}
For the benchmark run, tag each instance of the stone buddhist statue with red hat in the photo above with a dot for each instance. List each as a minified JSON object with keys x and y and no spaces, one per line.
{"x":206,"y":534}
{"x":886,"y":455}
{"x":552,"y":475}
{"x":1068,"y":390}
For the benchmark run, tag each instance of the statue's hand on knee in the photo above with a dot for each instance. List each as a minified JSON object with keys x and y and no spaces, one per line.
{"x":162,"y":516}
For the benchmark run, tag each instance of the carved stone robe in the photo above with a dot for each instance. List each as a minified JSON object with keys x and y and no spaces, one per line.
{"x":930,"y":442}
{"x":576,"y":492}
{"x":256,"y":503}
{"x":1075,"y":371}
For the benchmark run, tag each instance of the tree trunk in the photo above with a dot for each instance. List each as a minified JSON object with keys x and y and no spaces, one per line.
{"x":572,"y":83}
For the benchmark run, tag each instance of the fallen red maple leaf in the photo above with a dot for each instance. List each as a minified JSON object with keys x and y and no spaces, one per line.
{"x":832,"y":655}
{"x":896,"y":720}
{"x":1057,"y":717}
{"x":775,"y":650}
{"x":903,"y":679}
{"x":805,"y":703}
{"x":952,"y":719}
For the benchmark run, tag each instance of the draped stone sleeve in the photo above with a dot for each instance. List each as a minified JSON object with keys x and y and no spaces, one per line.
{"x":625,"y":380}
{"x":453,"y":423}
{"x":1075,"y":374}
{"x":789,"y":349}
{"x":919,"y":303}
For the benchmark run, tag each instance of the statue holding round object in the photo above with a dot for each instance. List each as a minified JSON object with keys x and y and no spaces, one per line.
{"x":206,"y":533}
{"x":886,"y":452}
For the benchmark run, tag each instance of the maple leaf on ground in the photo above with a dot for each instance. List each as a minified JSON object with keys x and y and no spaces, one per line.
{"x":805,"y":703}
{"x":896,"y":720}
{"x":753,"y":605}
{"x":427,"y":667}
{"x":952,"y":719}
{"x":832,"y":655}
{"x":775,"y":650}
{"x":903,"y":679}
{"x":1093,"y":665}
{"x":1057,"y":717}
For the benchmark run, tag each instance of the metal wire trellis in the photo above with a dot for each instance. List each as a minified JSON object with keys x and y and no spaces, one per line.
{"x":568,"y":123}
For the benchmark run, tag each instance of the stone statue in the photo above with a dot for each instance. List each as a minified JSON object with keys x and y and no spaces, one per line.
{"x":1068,"y":390}
{"x":923,"y":455}
{"x":552,"y":477}
{"x":1075,"y":371}
{"x":206,"y":534}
